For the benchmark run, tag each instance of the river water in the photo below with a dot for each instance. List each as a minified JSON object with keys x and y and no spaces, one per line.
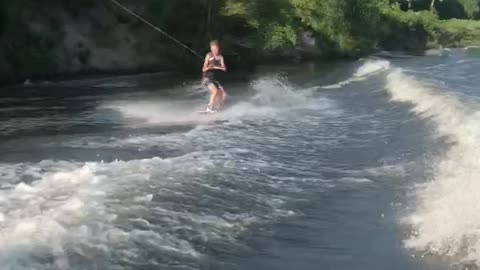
{"x":371,"y":164}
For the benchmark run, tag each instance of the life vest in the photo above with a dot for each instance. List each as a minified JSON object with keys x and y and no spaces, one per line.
{"x":214,"y":61}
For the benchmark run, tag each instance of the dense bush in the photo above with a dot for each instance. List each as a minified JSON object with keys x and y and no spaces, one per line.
{"x":446,"y":9}
{"x":425,"y":25}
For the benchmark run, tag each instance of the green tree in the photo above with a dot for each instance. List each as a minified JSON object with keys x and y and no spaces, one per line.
{"x":349,"y":24}
{"x":272,"y":21}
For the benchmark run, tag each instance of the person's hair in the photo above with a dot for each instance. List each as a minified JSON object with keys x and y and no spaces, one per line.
{"x":214,"y":43}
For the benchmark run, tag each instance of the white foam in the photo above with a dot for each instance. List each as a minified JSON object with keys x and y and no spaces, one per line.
{"x":94,"y":211}
{"x":471,"y":47}
{"x":147,"y":198}
{"x":116,"y":84}
{"x":160,"y":112}
{"x":438,"y":66}
{"x":64,"y":211}
{"x":397,"y":170}
{"x":355,"y":180}
{"x":446,"y":219}
{"x":137,"y":142}
{"x":437,"y":52}
{"x":36,"y":215}
{"x":270,"y":96}
{"x":370,"y":67}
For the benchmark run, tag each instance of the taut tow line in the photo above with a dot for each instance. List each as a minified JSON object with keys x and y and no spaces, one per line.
{"x":156,"y":28}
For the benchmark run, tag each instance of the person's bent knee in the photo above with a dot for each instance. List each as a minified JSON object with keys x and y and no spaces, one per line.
{"x":212,"y":88}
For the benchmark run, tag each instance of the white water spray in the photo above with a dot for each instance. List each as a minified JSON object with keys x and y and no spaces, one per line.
{"x":446,"y":220}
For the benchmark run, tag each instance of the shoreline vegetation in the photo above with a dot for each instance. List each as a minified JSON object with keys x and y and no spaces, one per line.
{"x":42,"y":40}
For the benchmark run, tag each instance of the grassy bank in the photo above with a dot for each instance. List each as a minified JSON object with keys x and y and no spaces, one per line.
{"x":456,"y":33}
{"x":423,"y":30}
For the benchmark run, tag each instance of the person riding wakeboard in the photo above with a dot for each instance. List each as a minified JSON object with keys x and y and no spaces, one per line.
{"x":213,"y":65}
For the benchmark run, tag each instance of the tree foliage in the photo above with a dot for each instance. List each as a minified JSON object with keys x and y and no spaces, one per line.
{"x":272,"y":20}
{"x":348,"y":25}
{"x":446,"y":9}
{"x":32,"y":33}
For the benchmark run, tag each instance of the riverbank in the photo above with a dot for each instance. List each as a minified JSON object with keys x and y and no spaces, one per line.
{"x":423,"y":30}
{"x":45,"y":41}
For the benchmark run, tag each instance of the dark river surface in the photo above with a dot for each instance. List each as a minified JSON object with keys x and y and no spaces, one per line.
{"x":364,"y":165}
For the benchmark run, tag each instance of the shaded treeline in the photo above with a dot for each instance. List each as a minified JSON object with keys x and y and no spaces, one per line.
{"x":45,"y":38}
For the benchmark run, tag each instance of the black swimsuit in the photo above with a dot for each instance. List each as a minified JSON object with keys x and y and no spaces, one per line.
{"x":209,"y":77}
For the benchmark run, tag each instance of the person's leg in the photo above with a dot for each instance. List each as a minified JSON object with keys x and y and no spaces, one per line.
{"x":221,"y":96}
{"x":213,"y":95}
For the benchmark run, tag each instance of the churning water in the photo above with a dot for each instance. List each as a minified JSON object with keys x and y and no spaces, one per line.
{"x":364,"y":165}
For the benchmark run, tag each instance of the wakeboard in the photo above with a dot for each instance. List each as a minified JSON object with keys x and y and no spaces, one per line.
{"x":207,"y":113}
{"x":213,"y":116}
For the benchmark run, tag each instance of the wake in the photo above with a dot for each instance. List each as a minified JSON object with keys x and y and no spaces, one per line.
{"x":269,"y":96}
{"x":367,"y":69}
{"x":446,"y":220}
